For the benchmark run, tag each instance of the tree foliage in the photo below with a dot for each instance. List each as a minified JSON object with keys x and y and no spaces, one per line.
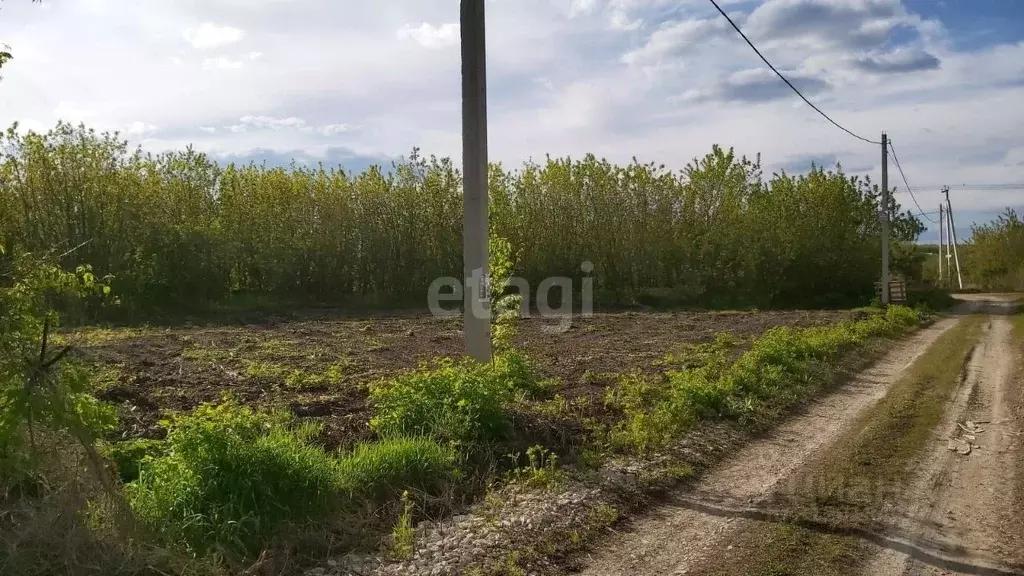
{"x":38,"y":389}
{"x":178,"y":230}
{"x":994,"y":257}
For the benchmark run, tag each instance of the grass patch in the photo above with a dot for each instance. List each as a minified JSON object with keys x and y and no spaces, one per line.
{"x":458,"y":400}
{"x":778,"y":371}
{"x":697,"y":355}
{"x":232,"y":480}
{"x":209,"y":354}
{"x":776,"y":552}
{"x":857,"y":476}
{"x":90,"y":336}
{"x":271,"y":372}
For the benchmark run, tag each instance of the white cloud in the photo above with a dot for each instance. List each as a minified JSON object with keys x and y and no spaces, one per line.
{"x":290,"y":123}
{"x":431,"y":36}
{"x":578,"y":7}
{"x":255,"y":55}
{"x":208,"y":129}
{"x":71,"y":112}
{"x":209,"y":35}
{"x":335,"y":129}
{"x":272,"y":123}
{"x":670,"y":42}
{"x":138,"y":128}
{"x":221,"y":63}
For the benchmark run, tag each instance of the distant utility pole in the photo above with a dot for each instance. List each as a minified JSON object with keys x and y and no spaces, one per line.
{"x":952,"y":236}
{"x":884,"y":215}
{"x":476,"y":323}
{"x":942,"y":220}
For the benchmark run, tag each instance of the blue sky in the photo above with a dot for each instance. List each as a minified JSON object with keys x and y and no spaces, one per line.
{"x":355,"y":82}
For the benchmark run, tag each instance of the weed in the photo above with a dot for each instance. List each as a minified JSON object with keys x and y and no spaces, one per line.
{"x":541,"y":470}
{"x":697,"y":355}
{"x":452,"y":399}
{"x":266,"y":371}
{"x":378,"y":472}
{"x":209,"y":354}
{"x":374,"y":343}
{"x":232,"y":478}
{"x":775,"y":370}
{"x":590,"y":458}
{"x":403,"y":535}
{"x":603,"y":514}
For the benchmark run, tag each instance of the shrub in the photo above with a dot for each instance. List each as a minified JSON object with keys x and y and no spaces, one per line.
{"x":232,"y":478}
{"x":129,"y":455}
{"x":39,"y":388}
{"x":458,"y":400}
{"x":229,"y":479}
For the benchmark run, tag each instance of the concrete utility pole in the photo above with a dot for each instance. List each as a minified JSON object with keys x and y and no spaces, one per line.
{"x":952,"y":237}
{"x":942,"y":220}
{"x":476,"y":314}
{"x":885,"y":220}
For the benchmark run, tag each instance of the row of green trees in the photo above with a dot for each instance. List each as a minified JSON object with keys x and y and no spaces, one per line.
{"x":178,"y":230}
{"x":994,"y":256}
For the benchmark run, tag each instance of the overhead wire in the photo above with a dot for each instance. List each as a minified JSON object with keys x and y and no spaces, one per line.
{"x":907,"y":184}
{"x":786,"y":80}
{"x":848,"y":131}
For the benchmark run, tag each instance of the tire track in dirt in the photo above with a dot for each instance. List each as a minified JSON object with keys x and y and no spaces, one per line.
{"x":676,"y":536}
{"x":966,"y":502}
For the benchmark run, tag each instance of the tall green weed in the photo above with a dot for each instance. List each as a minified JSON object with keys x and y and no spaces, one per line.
{"x":231,"y":479}
{"x":777,"y":371}
{"x":457,"y":400}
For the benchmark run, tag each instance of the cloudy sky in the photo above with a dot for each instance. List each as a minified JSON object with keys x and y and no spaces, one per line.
{"x":361,"y":81}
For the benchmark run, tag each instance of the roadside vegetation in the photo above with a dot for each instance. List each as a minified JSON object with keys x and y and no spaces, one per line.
{"x":995,"y":254}
{"x":842,"y":495}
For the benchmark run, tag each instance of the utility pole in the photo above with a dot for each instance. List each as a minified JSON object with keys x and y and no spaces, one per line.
{"x":885,"y":220}
{"x":942,"y":220}
{"x":476,"y":312}
{"x":952,"y":236}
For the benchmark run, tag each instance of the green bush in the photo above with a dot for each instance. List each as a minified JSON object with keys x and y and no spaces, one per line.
{"x":229,"y":478}
{"x":129,"y":455}
{"x":777,"y":370}
{"x":232,"y":478}
{"x":459,"y":400}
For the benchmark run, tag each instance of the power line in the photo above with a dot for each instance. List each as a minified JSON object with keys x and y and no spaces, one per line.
{"x":907,"y":184}
{"x":1005,"y":186}
{"x":784,"y":79}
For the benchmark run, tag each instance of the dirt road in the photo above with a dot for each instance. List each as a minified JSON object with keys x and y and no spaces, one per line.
{"x":682,"y":533}
{"x":963,"y":508}
{"x":965,"y":499}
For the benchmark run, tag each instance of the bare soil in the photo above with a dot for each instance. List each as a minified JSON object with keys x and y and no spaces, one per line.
{"x":695,"y":527}
{"x":176,"y":369}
